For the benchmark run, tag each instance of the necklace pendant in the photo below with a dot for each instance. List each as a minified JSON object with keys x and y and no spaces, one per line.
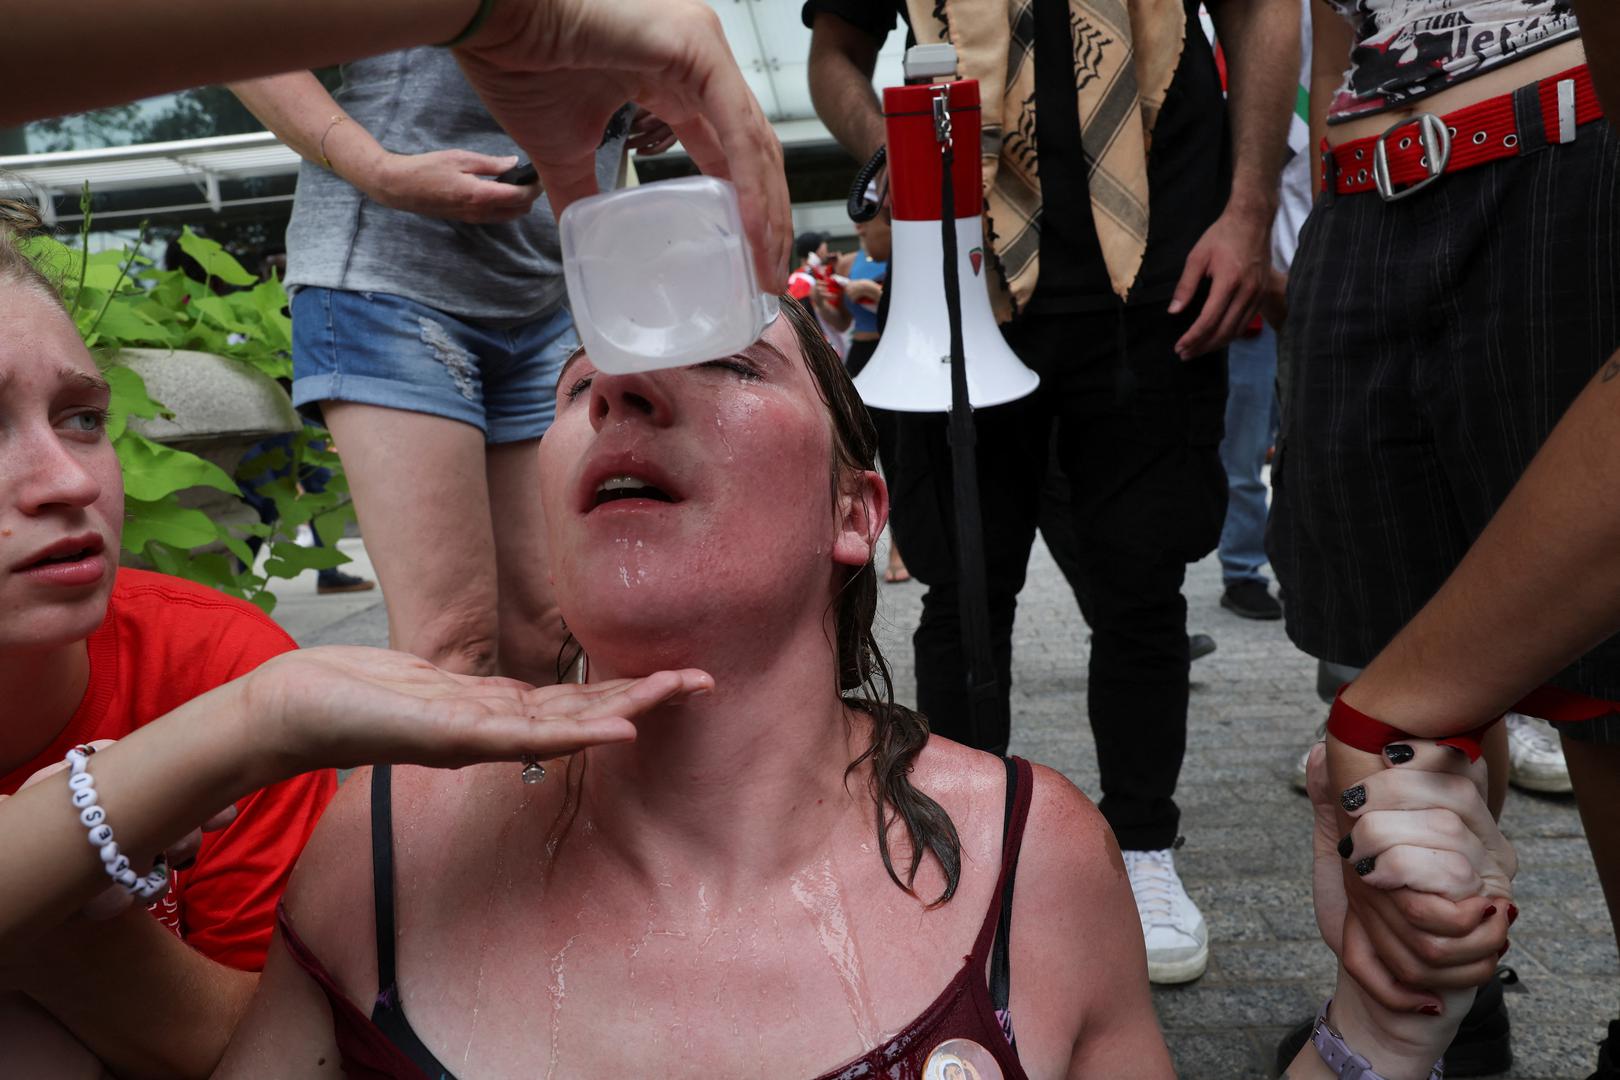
{"x":533,"y":771}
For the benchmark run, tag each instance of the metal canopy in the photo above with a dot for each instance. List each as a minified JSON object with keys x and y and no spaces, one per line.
{"x":200,"y":164}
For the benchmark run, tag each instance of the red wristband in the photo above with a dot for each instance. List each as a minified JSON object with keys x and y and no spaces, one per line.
{"x":1355,"y":728}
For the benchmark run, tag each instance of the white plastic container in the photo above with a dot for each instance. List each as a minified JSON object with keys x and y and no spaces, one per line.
{"x":662,"y":275}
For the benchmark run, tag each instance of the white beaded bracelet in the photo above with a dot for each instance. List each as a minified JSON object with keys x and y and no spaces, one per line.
{"x":82,"y":787}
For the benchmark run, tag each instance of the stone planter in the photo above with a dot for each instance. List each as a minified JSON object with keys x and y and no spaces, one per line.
{"x":221,"y":408}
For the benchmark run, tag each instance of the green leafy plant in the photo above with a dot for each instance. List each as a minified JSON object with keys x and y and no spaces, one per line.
{"x":120,"y":299}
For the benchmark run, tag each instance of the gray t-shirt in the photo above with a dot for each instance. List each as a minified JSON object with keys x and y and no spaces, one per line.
{"x":413,"y":102}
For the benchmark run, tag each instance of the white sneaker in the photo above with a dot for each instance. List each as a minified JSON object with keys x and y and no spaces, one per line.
{"x":1172,"y":926}
{"x":1535,"y":756}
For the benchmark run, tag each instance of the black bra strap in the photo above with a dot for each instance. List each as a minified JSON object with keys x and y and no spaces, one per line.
{"x":1000,"y":965}
{"x":382,"y":873}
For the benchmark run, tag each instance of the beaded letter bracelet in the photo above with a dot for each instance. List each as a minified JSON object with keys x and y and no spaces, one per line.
{"x":83,"y":788}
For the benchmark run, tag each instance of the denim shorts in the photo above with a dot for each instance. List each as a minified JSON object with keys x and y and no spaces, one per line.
{"x":378,"y":349}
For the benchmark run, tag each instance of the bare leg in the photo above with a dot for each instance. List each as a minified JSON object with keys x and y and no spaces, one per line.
{"x":530,"y":628}
{"x":1594,"y":769}
{"x":419,"y":491}
{"x":896,"y":570}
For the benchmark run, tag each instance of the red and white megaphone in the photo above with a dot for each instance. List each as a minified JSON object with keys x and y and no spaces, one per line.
{"x":910,"y":371}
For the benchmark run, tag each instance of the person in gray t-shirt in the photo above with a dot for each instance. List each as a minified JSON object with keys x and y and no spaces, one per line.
{"x":429,"y":329}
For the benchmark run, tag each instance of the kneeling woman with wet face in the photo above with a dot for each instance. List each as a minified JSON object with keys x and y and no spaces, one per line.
{"x":781,"y":876}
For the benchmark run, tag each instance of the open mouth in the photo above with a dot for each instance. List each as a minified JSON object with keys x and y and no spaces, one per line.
{"x":77,"y":555}
{"x":66,"y":552}
{"x":619,"y":488}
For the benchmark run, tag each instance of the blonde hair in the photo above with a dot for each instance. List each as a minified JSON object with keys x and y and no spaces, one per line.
{"x":19,"y":221}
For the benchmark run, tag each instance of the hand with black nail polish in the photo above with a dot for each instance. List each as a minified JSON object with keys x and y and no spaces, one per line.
{"x":1423,"y":870}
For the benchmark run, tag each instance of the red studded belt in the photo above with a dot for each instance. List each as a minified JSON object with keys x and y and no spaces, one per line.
{"x":1417,"y":150}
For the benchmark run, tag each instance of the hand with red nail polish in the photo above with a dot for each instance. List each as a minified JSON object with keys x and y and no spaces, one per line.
{"x":1410,"y":866}
{"x":1437,"y":861}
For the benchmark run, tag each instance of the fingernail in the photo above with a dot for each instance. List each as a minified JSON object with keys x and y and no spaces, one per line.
{"x":1346,"y":846}
{"x":1429,"y":1010}
{"x":1353,"y":799}
{"x":1513,"y":913}
{"x":1488,"y":913}
{"x":1399,"y":753}
{"x":1365,"y":866}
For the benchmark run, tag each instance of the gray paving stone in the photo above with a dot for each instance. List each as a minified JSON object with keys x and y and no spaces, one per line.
{"x":1572,"y":955}
{"x":1216,"y":1055}
{"x":1197,"y":1007}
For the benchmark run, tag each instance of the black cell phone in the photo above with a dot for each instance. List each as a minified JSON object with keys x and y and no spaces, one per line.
{"x":521,"y":173}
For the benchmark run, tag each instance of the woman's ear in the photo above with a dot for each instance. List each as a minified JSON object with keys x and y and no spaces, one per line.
{"x":863,"y":510}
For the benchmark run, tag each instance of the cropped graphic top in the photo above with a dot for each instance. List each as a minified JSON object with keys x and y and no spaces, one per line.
{"x":1408,"y":49}
{"x":384,"y":1046}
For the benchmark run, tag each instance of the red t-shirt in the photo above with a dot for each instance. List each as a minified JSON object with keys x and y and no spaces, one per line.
{"x":165,"y":641}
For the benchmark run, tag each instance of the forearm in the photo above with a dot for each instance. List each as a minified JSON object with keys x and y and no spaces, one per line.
{"x":1391,"y":1056}
{"x":842,"y":60}
{"x":1538,"y":588}
{"x":1261,"y":40}
{"x":271,"y":36}
{"x":156,"y":785}
{"x":302,"y":114}
{"x":137,"y":997}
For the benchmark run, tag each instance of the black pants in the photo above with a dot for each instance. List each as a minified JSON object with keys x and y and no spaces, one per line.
{"x":1137,"y":437}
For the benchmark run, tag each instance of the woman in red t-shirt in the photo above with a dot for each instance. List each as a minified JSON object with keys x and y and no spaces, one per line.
{"x":91,"y":653}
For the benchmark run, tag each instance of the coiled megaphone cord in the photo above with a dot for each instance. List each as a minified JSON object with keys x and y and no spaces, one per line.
{"x":861,"y":208}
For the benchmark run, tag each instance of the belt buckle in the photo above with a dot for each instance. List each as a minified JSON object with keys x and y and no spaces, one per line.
{"x":1436,"y":140}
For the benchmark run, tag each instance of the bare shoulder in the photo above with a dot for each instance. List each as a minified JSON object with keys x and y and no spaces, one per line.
{"x":971,"y":786}
{"x":1079,"y":971}
{"x":327,"y":897}
{"x":953,"y":773}
{"x":1066,"y":840}
{"x":330,"y":896}
{"x":1065,"y":836}
{"x":1071,"y":876}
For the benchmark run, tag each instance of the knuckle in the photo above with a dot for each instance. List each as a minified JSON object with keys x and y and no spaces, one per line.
{"x":1407,"y":969}
{"x":1430,"y":949}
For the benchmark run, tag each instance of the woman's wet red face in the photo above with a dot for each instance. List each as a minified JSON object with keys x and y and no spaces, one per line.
{"x":671,"y":494}
{"x":61,"y":492}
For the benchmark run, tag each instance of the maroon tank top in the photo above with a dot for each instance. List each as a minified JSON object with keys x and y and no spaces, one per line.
{"x":383,"y":1046}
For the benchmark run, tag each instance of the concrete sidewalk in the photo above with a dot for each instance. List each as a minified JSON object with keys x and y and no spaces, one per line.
{"x":1247,"y":858}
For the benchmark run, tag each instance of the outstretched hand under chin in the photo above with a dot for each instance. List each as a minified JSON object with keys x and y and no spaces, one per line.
{"x":345,"y":705}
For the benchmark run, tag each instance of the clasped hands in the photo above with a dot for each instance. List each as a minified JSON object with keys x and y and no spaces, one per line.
{"x":1413,"y":887}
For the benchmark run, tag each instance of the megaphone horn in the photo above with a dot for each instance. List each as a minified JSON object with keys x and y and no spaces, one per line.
{"x":910,"y":371}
